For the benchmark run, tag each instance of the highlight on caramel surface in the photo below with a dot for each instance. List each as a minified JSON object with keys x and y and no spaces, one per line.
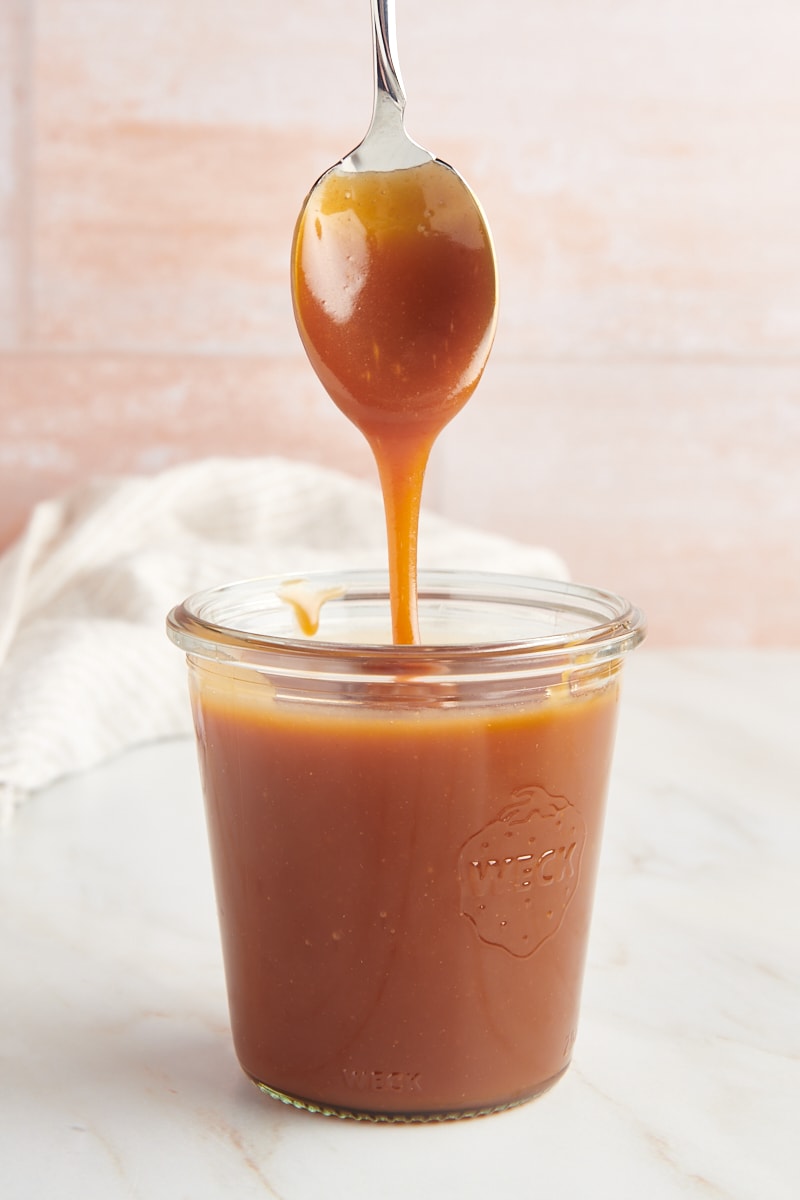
{"x":395,"y":297}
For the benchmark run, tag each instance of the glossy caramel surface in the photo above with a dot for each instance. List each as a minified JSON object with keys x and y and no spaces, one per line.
{"x":395,"y":296}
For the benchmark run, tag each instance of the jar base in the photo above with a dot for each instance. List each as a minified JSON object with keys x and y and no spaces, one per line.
{"x":403,"y":1118}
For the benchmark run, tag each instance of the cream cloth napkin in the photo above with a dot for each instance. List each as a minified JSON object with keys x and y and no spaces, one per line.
{"x":85,"y":666}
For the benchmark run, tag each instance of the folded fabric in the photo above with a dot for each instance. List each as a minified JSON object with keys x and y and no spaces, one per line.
{"x":85,"y":666}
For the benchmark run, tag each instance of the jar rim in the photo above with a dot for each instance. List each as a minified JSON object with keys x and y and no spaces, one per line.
{"x":235,"y":622}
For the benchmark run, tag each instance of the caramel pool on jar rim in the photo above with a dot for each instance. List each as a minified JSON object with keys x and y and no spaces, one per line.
{"x":405,"y":839}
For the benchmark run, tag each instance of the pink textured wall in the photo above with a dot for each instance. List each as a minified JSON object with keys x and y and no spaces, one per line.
{"x":638,"y":163}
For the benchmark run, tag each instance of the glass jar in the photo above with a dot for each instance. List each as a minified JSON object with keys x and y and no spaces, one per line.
{"x":405,"y":838}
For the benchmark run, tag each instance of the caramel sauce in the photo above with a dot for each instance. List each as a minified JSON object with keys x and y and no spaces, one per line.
{"x":404,"y":884}
{"x":404,"y":917}
{"x":306,"y":602}
{"x":395,"y":295}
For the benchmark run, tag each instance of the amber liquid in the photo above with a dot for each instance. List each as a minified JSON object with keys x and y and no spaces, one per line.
{"x":395,"y":288}
{"x":404,"y":885}
{"x":404,"y":893}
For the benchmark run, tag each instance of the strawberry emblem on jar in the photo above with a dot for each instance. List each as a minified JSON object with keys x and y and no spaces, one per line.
{"x":519,"y":873}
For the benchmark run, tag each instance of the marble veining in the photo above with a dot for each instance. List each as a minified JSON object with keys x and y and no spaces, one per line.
{"x":118,"y":1079}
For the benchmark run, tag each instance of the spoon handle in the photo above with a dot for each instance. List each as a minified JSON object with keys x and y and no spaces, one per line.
{"x":384,"y":44}
{"x":386,"y":146}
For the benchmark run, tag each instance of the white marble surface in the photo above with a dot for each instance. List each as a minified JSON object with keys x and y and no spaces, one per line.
{"x":117,"y":1077}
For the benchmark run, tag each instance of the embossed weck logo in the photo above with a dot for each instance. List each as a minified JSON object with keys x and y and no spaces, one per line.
{"x":519,"y":873}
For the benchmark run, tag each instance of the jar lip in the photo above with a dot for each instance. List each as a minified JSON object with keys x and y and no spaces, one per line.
{"x":213,"y":623}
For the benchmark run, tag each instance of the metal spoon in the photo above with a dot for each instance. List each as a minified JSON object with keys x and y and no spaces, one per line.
{"x":386,"y":146}
{"x":394,"y":286}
